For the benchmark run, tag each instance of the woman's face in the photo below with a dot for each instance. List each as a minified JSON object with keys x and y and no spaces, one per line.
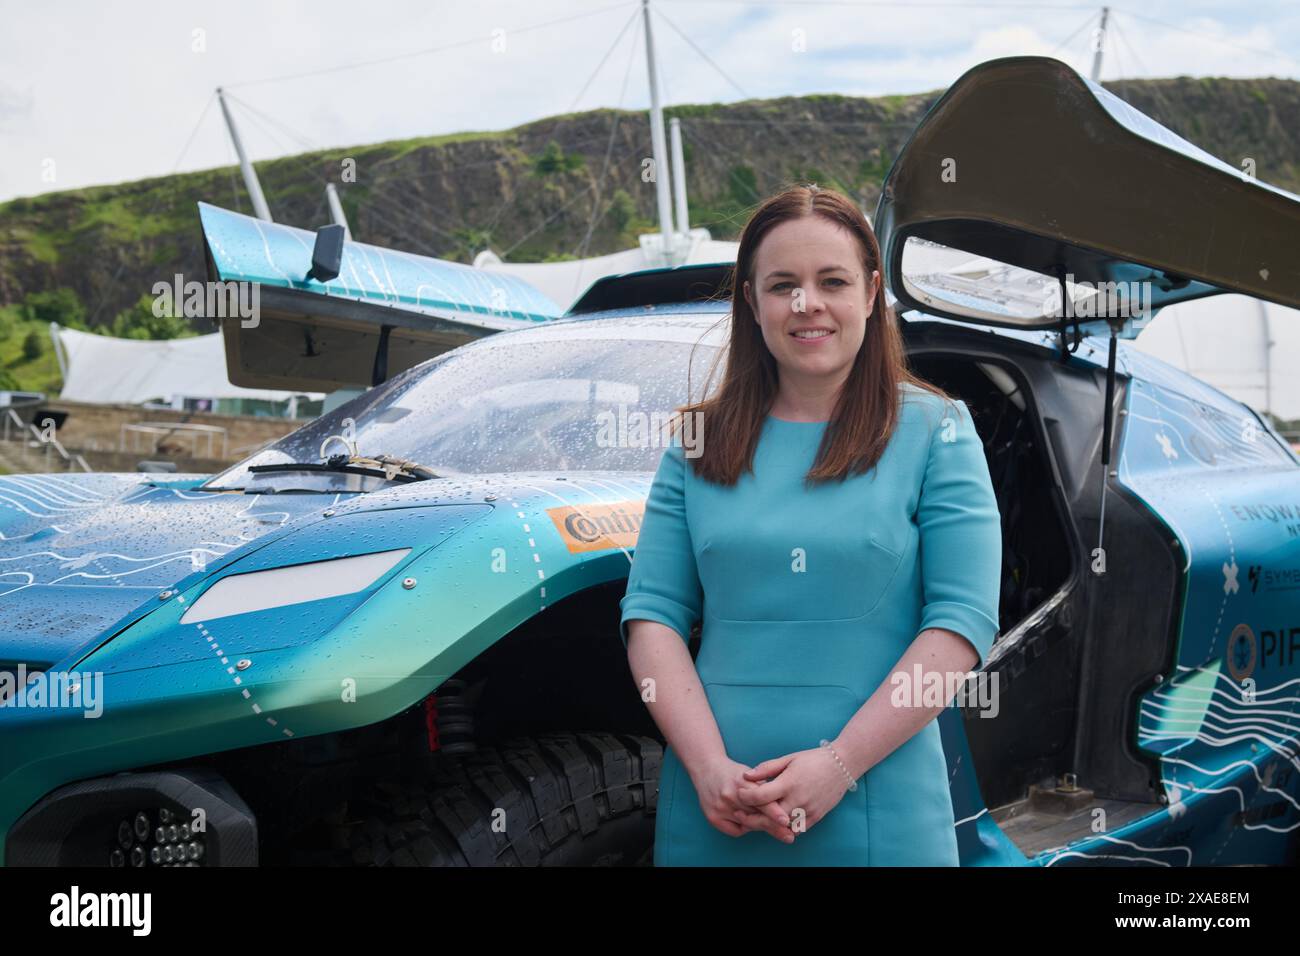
{"x":811,"y":297}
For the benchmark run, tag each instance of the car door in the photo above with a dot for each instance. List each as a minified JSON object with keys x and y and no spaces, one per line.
{"x":1025,"y":179}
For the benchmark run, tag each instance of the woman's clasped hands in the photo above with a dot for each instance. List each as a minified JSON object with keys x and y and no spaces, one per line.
{"x":782,"y":797}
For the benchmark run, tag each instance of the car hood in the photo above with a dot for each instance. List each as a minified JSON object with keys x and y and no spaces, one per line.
{"x":84,"y":556}
{"x":77,"y":553}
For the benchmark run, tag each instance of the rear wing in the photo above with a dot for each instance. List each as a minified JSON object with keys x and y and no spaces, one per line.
{"x":384,"y":312}
{"x":704,"y":282}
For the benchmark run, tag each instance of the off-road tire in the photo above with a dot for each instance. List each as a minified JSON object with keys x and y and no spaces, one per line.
{"x":562,"y":799}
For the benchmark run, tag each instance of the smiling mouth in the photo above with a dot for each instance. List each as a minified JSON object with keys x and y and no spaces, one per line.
{"x":812,"y":335}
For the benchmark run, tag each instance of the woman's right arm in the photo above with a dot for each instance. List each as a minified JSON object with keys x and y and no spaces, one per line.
{"x":670,"y":686}
{"x":663,"y":602}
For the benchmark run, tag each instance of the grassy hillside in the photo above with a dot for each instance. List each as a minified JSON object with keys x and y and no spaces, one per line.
{"x":543,"y":190}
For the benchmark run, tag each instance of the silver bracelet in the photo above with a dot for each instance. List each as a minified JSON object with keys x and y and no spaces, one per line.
{"x":853,"y":784}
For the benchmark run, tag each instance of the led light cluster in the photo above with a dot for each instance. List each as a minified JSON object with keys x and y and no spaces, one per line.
{"x":156,"y":840}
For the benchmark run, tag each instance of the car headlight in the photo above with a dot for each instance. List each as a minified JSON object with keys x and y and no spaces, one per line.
{"x":296,"y":584}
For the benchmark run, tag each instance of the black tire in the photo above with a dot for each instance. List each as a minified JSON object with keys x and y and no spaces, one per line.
{"x":568,"y":799}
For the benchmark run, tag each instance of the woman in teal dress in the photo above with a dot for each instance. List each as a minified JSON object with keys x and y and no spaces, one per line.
{"x":838,"y":540}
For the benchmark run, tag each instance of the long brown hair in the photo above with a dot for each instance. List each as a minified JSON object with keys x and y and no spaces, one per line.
{"x":866,"y":411}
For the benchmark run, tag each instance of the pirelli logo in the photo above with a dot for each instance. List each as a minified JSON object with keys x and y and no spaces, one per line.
{"x":596,"y":527}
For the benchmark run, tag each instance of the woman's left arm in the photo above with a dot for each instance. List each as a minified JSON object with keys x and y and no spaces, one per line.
{"x":881,"y":725}
{"x":813,"y":781}
{"x":961,"y":574}
{"x":960,"y":534}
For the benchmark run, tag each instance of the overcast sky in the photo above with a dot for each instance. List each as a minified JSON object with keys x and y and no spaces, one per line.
{"x":101,"y":92}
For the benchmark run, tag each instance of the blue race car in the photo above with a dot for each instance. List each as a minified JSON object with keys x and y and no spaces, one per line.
{"x":391,"y":637}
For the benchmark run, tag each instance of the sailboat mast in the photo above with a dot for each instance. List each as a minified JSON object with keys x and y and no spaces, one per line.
{"x":1099,"y":46}
{"x":336,"y":208}
{"x":679,"y":177}
{"x":658,"y":142}
{"x":260,"y":208}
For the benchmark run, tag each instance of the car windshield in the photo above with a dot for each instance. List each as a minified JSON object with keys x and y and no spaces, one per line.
{"x":571,"y":400}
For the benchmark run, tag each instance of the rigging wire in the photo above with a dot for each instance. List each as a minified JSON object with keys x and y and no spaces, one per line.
{"x":1207,"y":36}
{"x":636,"y":148}
{"x":113,"y":282}
{"x":1093,"y":18}
{"x":304,"y":141}
{"x":597,"y":212}
{"x":513,"y":199}
{"x":594,"y":73}
{"x":707,"y":59}
{"x":1154,"y":84}
{"x":469,"y":41}
{"x":796,"y":147}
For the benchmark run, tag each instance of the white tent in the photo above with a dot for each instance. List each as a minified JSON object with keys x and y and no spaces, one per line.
{"x":565,"y":281}
{"x":97,"y":368}
{"x":1243,"y":346}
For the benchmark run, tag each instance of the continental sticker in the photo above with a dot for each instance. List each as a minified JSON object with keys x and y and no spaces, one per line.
{"x":597,"y":527}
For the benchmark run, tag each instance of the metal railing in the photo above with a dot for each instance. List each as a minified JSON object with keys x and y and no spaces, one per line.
{"x":29,"y":436}
{"x":160,"y":430}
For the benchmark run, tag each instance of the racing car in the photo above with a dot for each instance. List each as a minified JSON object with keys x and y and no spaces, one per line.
{"x":390,"y":637}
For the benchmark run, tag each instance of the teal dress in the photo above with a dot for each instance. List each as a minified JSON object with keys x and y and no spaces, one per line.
{"x":807,"y":598}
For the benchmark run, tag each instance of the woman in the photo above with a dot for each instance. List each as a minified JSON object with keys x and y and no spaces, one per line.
{"x":837,"y":537}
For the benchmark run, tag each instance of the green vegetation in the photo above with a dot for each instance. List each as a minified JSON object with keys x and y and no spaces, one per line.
{"x":892,"y":105}
{"x":33,"y":346}
{"x":725,"y":216}
{"x":62,"y":305}
{"x":469,"y":243}
{"x":19,"y":368}
{"x":622,"y":210}
{"x":742,"y":184}
{"x":139,"y":322}
{"x":873,"y":169}
{"x":27,"y":359}
{"x":59,"y":305}
{"x":818,"y":177}
{"x":553,"y":160}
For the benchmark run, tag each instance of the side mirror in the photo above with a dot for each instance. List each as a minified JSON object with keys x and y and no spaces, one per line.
{"x":327,"y":254}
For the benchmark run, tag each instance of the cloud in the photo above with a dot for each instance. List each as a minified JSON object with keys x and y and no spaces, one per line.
{"x":115,"y":95}
{"x":16,"y":108}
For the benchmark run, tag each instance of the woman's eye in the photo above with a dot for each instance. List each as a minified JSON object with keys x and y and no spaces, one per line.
{"x":782,"y":286}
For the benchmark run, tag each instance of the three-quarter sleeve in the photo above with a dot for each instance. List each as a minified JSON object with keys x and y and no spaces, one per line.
{"x":960,"y":533}
{"x":663,"y":584}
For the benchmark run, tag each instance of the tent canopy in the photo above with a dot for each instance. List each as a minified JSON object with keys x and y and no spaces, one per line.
{"x":567,"y":280}
{"x":101,"y":369}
